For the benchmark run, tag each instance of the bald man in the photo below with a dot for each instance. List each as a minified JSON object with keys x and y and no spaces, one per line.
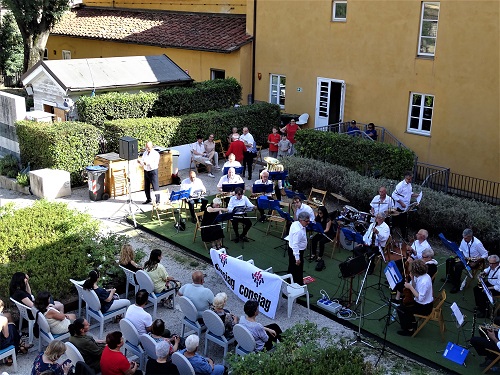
{"x":201,"y":297}
{"x":150,"y":161}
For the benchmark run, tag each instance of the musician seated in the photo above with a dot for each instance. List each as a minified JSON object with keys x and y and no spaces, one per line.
{"x":302,"y":207}
{"x":475,"y":254}
{"x":211,"y":232}
{"x":490,"y":276}
{"x":238,"y":205}
{"x":230,"y":178}
{"x":421,"y":288}
{"x":381,"y":202}
{"x":325,"y":237}
{"x":374,"y":239}
{"x":196,"y":190}
{"x":264,"y":180}
{"x":419,"y":245}
{"x":490,"y":340}
{"x":231,"y":162}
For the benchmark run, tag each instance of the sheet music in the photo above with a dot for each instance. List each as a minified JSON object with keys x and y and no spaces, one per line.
{"x":392,"y":274}
{"x":419,"y":197}
{"x":457,"y":313}
{"x":487,"y":291}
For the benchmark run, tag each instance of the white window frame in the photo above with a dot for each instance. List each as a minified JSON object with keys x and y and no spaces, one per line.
{"x":422,"y":37}
{"x":334,"y":11}
{"x":420,"y":117}
{"x":66,"y":55}
{"x":277,"y":89}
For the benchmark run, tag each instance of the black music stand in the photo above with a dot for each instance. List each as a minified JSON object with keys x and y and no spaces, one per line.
{"x":228,"y":188}
{"x":278,"y":175}
{"x":262,"y":188}
{"x":315,"y":227}
{"x":455,"y":249}
{"x":288,"y":218}
{"x":241,"y":211}
{"x":290,"y":194}
{"x":177,"y":196}
{"x":263,"y":202}
{"x":237,"y":170}
{"x":353,"y":236}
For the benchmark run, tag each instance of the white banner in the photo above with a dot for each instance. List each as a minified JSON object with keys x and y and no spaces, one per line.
{"x":249,"y":282}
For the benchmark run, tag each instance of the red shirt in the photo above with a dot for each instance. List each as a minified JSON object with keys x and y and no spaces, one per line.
{"x":290,"y":132}
{"x":237,"y":148}
{"x":113,"y":363}
{"x":273,"y":137}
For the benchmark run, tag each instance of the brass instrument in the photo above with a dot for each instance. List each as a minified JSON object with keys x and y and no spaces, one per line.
{"x":256,"y":195}
{"x":223,"y":194}
{"x":488,"y":327}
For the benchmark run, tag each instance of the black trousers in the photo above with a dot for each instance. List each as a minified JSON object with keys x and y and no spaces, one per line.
{"x":407,"y":317}
{"x":248,"y":163}
{"x":401,"y":221}
{"x":482,"y":302}
{"x":321,"y":240}
{"x":296,"y":271}
{"x":247,"y":224}
{"x":272,"y":339}
{"x":193,"y":201}
{"x":151,"y":178}
{"x":481,"y":344}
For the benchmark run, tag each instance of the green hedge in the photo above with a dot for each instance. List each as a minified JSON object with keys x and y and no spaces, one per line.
{"x":437,"y":212}
{"x":358,"y":154}
{"x":70,"y":146}
{"x":171,"y":131}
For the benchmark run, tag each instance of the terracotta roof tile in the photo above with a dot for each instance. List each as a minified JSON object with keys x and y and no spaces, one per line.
{"x":199,"y":31}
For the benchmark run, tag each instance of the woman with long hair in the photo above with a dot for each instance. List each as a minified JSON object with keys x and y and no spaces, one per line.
{"x":319,"y":238}
{"x":158,"y":274}
{"x":127,"y":257}
{"x":90,"y":349}
{"x":109,"y":300}
{"x":58,"y":322}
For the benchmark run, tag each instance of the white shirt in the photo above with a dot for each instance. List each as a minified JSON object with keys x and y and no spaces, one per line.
{"x":419,"y":247}
{"x":305,"y":208}
{"x":380,"y":238}
{"x":242,"y":202}
{"x":229,"y":164}
{"x":423,"y":285}
{"x":403,"y":193}
{"x":381,"y":205}
{"x":297,"y":238}
{"x":473,"y":249}
{"x":199,"y":148}
{"x":225,"y":180}
{"x":194,"y":187}
{"x":248,"y":140}
{"x":139,"y":318}
{"x":492,"y":277}
{"x":151,"y":160}
{"x":260,"y":182}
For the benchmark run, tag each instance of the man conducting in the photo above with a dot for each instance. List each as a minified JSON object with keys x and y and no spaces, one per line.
{"x":297,"y":244}
{"x":150,"y":161}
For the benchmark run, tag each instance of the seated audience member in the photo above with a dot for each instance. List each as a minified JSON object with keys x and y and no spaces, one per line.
{"x":200,"y":156}
{"x":106,"y":296}
{"x":239,"y":205}
{"x":163,"y":364}
{"x":371,"y":131}
{"x":201,"y":365}
{"x":127,"y":257}
{"x":264,"y":335}
{"x":319,"y":238}
{"x":9,"y":335}
{"x":211,"y":232}
{"x":58,"y":322}
{"x":264,"y":180}
{"x":47,"y":361}
{"x":159,"y":333}
{"x":196,"y":189}
{"x":89,"y":348}
{"x":491,"y":278}
{"x":212,"y":154}
{"x":113,"y":362}
{"x":227,"y":318}
{"x":139,"y":317}
{"x":284,"y":146}
{"x":273,"y":140}
{"x":201,"y":297}
{"x":158,"y":274}
{"x":231,"y":162}
{"x":237,"y":148}
{"x":353,"y":129}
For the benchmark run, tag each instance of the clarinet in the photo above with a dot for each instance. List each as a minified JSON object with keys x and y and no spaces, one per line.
{"x":474,"y":318}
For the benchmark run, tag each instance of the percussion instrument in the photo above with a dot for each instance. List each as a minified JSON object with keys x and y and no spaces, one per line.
{"x":364,"y":217}
{"x":349,"y":213}
{"x":345,"y":243}
{"x":361,"y":226}
{"x":340,"y":197}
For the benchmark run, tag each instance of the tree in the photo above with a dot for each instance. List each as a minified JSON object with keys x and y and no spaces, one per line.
{"x":35,"y":18}
{"x":11,"y":46}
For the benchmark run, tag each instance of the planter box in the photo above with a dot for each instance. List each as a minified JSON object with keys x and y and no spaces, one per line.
{"x":11,"y":184}
{"x":50,"y":183}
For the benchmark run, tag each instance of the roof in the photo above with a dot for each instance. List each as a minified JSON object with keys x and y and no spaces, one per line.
{"x":198,"y":31}
{"x":111,"y":72}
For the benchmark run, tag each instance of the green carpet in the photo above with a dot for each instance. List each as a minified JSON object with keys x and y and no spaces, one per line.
{"x":265,"y":250}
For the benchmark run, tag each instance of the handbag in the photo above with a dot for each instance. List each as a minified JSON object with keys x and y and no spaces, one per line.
{"x":320,"y":266}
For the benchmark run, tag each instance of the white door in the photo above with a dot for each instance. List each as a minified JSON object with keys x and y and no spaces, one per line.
{"x":330,"y":96}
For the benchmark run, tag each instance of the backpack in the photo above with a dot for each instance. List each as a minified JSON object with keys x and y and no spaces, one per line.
{"x":320,"y":266}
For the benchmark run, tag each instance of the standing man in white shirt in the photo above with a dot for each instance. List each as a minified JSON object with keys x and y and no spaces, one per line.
{"x":250,"y":153}
{"x":200,"y":155}
{"x":297,"y":244}
{"x":150,"y":161}
{"x":402,"y":195}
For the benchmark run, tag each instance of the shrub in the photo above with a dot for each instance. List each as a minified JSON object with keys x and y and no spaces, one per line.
{"x":49,"y":236}
{"x":70,"y":146}
{"x":437,"y":212}
{"x":9,"y":166}
{"x":358,"y":154}
{"x":23,"y":179}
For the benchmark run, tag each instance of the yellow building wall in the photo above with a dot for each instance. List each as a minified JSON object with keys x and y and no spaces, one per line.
{"x":375,"y":53}
{"x":204,"y":6}
{"x":197,"y":63}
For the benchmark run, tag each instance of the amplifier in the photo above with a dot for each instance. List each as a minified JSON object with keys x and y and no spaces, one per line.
{"x":128,"y":148}
{"x":353,"y":266}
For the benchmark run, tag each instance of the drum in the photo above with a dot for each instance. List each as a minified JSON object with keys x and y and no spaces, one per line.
{"x":349,"y":213}
{"x":364,"y":217}
{"x":345,"y":243}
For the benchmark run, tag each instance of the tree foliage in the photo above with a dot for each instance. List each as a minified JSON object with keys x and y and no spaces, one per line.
{"x":11,"y":46}
{"x":35,"y":18}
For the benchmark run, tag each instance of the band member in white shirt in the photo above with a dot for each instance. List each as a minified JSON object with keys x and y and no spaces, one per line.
{"x":374,"y":239}
{"x":149,"y":162}
{"x":239,"y":204}
{"x":381,"y":202}
{"x":402,"y":195}
{"x":491,"y":278}
{"x":419,"y":245}
{"x":264,"y":180}
{"x":231,"y":161}
{"x":196,"y":189}
{"x":297,"y":244}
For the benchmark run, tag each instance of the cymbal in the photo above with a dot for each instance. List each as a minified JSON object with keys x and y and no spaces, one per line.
{"x":340,"y":197}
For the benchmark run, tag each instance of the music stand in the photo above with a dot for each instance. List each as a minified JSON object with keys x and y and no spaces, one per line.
{"x":262,"y":188}
{"x":228,"y":188}
{"x":455,"y":249}
{"x":353,"y":236}
{"x":290,"y":194}
{"x":278,"y":175}
{"x":237,"y":170}
{"x":241,"y":211}
{"x":459,"y":322}
{"x":288,"y":218}
{"x":177,"y":196}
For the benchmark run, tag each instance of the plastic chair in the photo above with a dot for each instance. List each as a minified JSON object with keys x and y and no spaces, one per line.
{"x":23,"y":312}
{"x":303,"y":118}
{"x":215,"y":332}
{"x":190,"y":318}
{"x":7,"y":352}
{"x":93,"y":310}
{"x":132,"y":341}
{"x":436,"y":315}
{"x":145,"y":282}
{"x":245,"y":340}
{"x":130,"y":276}
{"x":182,"y":364}
{"x":293,"y":291}
{"x":73,"y":353}
{"x":79,"y":288}
{"x":44,"y":331}
{"x":149,"y":345}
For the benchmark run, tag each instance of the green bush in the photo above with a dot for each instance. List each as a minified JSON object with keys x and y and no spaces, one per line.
{"x":49,"y":236}
{"x":23,"y":179}
{"x":9,"y":166}
{"x":437,"y":212}
{"x":70,"y":146}
{"x":171,"y":131}
{"x":358,"y":154}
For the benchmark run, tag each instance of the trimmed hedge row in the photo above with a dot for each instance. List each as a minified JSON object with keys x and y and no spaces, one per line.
{"x":174,"y":101}
{"x":170,"y":131}
{"x":437,"y":212}
{"x":355,"y":153}
{"x":70,"y":146}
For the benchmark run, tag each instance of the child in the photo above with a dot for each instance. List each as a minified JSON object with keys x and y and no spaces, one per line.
{"x":273,"y":139}
{"x":284,"y":146}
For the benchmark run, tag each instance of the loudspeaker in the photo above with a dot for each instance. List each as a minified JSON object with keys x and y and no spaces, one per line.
{"x":128,"y":148}
{"x":353,"y":266}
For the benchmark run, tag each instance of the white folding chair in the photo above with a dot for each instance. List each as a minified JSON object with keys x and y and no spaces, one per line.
{"x":145,"y":282}
{"x":73,"y":353}
{"x":215,"y":332}
{"x":149,"y":345}
{"x":245,"y":340}
{"x":182,"y":364}
{"x":130,"y":276}
{"x":23,"y":314}
{"x":190,"y":318}
{"x":79,"y":288}
{"x":44,"y":331}
{"x":93,"y":310}
{"x":9,"y":351}
{"x":292,"y":291}
{"x":132,"y":341}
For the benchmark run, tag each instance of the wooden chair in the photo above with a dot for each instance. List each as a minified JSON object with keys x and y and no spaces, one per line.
{"x":199,"y":218}
{"x":199,"y":167}
{"x":436,"y":315}
{"x":258,"y":158}
{"x":497,"y":358}
{"x":119,"y":182}
{"x":219,"y":148}
{"x":316,"y":197}
{"x":164,"y":208}
{"x":277,"y":219}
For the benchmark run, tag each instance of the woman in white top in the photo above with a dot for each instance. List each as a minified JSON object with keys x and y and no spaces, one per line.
{"x":58,"y":321}
{"x":159,"y":275}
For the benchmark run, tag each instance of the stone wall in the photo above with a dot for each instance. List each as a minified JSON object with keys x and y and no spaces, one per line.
{"x":12,"y":109}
